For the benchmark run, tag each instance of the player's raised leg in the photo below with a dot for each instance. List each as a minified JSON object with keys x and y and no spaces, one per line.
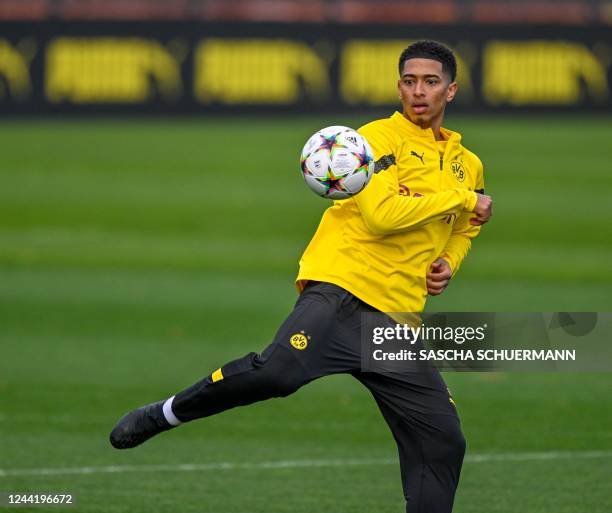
{"x":283,"y":367}
{"x":255,"y":377}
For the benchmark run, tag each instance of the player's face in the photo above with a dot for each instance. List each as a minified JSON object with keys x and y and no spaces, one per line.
{"x":425,"y":90}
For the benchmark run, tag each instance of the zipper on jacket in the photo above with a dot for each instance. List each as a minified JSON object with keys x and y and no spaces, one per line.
{"x":441,"y":162}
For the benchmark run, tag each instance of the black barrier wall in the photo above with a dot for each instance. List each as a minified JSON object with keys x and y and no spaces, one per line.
{"x":191,"y":68}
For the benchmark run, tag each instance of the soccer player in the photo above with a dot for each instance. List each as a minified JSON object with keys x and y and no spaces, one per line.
{"x":383,"y":250}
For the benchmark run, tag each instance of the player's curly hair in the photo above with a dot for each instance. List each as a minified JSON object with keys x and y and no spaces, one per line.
{"x":431,"y":50}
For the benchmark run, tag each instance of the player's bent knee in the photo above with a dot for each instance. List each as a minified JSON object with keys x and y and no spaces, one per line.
{"x":453,"y":444}
{"x":448,"y":444}
{"x":459,"y":444}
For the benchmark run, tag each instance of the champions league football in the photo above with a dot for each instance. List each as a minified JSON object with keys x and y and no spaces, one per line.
{"x":337,"y":162}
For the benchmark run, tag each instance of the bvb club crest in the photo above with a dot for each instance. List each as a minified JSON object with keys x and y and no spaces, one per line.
{"x":458,"y":170}
{"x":299,"y":341}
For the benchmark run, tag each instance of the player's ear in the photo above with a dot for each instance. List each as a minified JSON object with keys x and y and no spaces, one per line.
{"x":451,"y":92}
{"x":399,"y":89}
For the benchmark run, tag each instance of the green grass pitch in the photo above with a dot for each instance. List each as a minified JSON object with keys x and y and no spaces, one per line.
{"x":138,"y":256}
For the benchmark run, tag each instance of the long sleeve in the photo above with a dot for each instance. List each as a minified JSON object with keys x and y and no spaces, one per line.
{"x":384,"y":211}
{"x":460,"y":241}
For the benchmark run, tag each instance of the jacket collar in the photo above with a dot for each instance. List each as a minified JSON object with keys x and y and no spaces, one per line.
{"x":416,"y":130}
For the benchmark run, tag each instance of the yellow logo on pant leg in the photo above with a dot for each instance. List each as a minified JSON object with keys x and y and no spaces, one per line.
{"x":450,"y":397}
{"x":299,"y":341}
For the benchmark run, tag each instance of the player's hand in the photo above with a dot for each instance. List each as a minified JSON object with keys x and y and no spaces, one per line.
{"x":438,"y":276}
{"x":483,"y":210}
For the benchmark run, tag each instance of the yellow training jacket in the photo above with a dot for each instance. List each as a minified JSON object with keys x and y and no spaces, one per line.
{"x":379,"y":244}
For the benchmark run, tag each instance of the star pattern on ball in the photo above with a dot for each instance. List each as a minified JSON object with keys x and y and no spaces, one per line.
{"x":327,"y":143}
{"x":364,"y":160}
{"x":332,"y":183}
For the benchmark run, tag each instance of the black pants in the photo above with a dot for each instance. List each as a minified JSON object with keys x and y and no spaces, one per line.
{"x":322,"y":337}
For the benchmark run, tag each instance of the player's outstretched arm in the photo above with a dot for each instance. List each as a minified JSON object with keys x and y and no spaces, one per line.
{"x":384,"y":211}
